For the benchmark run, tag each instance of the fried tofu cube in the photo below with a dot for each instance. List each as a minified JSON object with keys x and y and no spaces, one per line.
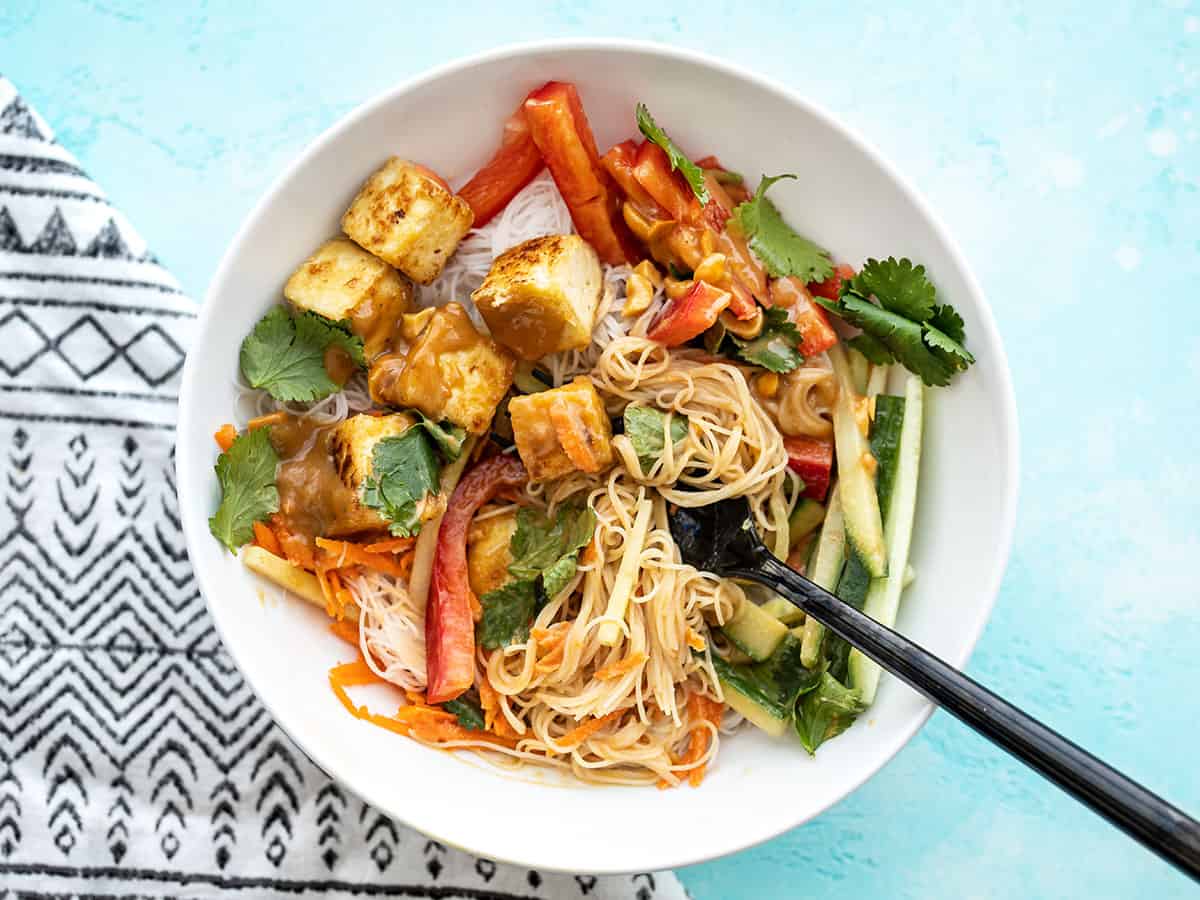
{"x":408,"y":217}
{"x":488,"y":553}
{"x":352,"y":444}
{"x":541,"y":296}
{"x":341,"y":280}
{"x":562,"y":430}
{"x":450,"y":372}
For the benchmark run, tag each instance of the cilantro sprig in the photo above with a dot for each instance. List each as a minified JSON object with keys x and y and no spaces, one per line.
{"x":690,"y":171}
{"x":908,"y":325}
{"x":545,"y":556}
{"x":285,"y":355}
{"x":781,"y":249}
{"x":246,"y":473}
{"x":777,"y":347}
{"x":404,"y":471}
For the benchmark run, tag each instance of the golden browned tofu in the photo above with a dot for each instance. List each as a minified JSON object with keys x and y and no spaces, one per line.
{"x":406,"y":216}
{"x":488,"y":554}
{"x":353,"y":447}
{"x":450,"y":371}
{"x":541,"y":296}
{"x":562,"y":430}
{"x":343,"y":281}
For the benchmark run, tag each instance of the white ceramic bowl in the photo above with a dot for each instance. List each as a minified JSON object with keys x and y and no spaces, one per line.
{"x":850,"y":200}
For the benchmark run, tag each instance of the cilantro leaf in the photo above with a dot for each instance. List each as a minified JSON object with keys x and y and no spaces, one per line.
{"x":690,"y":171}
{"x":777,"y":346}
{"x":908,"y":325}
{"x":872,"y":349}
{"x":467,"y":711}
{"x":285,"y":356}
{"x":546,"y":549}
{"x":246,"y":473}
{"x":899,"y":285}
{"x":902,"y":337}
{"x":507,"y":612}
{"x":826,"y":712}
{"x":646,"y":428}
{"x":782,"y":250}
{"x":448,"y":437}
{"x":404,"y":471}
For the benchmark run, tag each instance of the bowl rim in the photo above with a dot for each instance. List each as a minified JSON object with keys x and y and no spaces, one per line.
{"x":1009,"y":423}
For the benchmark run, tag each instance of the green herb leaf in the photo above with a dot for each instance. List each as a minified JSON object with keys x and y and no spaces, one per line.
{"x":448,"y":437}
{"x":724,"y":176}
{"x":826,"y":712}
{"x":285,"y":356}
{"x":404,"y":471}
{"x":908,"y":325}
{"x":541,"y":548}
{"x":872,"y":349}
{"x":902,"y":337}
{"x":467,"y":712}
{"x":777,"y":346}
{"x":775,"y":683}
{"x":690,"y":171}
{"x":246,"y":473}
{"x":900,"y":286}
{"x":782,"y":250}
{"x":646,"y":428}
{"x":507,"y":612}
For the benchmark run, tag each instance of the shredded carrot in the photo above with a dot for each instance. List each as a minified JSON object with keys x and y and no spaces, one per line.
{"x":225,"y":436}
{"x":394,"y":545}
{"x":700,"y":708}
{"x":695,"y":640}
{"x":265,"y":538}
{"x":621,"y":666}
{"x":551,"y":643}
{"x":494,"y":719}
{"x":346,"y":630}
{"x":417,"y":697}
{"x":581,"y":733}
{"x":344,"y":552}
{"x":276,"y":418}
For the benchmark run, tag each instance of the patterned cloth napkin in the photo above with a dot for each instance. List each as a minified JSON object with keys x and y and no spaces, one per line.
{"x":134,"y":760}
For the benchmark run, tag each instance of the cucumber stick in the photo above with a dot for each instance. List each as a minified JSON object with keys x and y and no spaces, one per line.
{"x":754,"y":631}
{"x":856,"y":484}
{"x":824,"y":569}
{"x":787,"y":613}
{"x":883,"y":598}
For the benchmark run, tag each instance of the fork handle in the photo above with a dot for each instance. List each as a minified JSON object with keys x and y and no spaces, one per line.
{"x":1140,"y":813}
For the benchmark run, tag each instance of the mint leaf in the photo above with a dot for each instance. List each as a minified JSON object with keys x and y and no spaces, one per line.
{"x":826,"y":712}
{"x":548,"y":549}
{"x":507,"y":612}
{"x":285,"y":356}
{"x":404,"y":471}
{"x":646,"y":428}
{"x":468,"y":713}
{"x":690,"y":171}
{"x":777,"y":347}
{"x":246,"y":473}
{"x":899,"y":286}
{"x":448,"y":437}
{"x":782,"y":250}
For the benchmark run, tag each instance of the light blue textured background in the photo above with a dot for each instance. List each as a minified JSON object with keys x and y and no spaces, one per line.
{"x":1059,"y":142}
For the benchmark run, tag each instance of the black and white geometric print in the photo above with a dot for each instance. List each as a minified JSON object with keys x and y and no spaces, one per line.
{"x":134,"y":760}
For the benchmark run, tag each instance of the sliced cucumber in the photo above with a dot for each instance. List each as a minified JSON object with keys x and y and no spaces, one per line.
{"x":754,"y":631}
{"x":805,"y":519}
{"x":883,"y":599}
{"x":529,"y":380}
{"x":766,"y":692}
{"x":770,"y":719}
{"x":785,"y":612}
{"x":824,"y":569}
{"x":859,"y":367}
{"x":856,"y":483}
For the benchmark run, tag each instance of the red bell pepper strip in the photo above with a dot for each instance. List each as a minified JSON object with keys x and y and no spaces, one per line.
{"x":450,"y":612}
{"x":810,"y":320}
{"x":688,"y":316}
{"x":812,"y":460}
{"x":667,"y":187}
{"x":830,"y":286}
{"x":619,"y":163}
{"x":560,"y":130}
{"x":502,"y":177}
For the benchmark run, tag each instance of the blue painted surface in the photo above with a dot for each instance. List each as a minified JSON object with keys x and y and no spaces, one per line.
{"x":1059,"y":142}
